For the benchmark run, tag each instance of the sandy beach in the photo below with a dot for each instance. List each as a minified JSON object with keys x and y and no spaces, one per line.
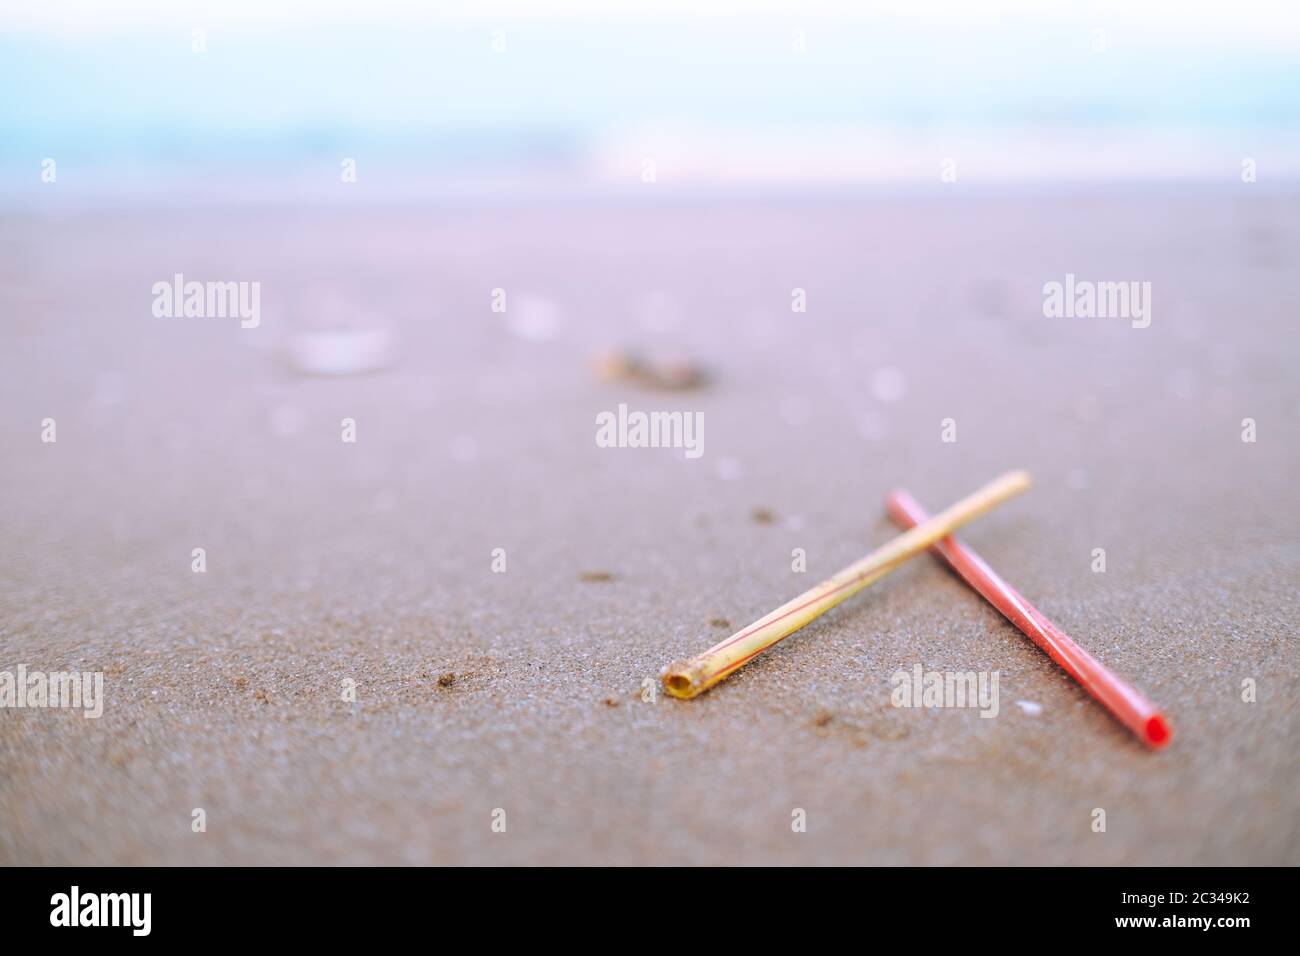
{"x":479,"y":690}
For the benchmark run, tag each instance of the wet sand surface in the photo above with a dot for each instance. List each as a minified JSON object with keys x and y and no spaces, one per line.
{"x":372,"y":561}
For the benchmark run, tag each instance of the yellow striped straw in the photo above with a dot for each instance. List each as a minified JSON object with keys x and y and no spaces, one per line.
{"x":686,"y":679}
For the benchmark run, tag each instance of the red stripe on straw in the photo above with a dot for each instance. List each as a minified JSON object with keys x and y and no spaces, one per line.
{"x":1132,"y":709}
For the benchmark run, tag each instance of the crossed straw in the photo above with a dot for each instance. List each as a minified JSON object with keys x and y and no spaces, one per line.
{"x":686,"y":679}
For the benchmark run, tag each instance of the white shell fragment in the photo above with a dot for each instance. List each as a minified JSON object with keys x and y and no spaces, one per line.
{"x":340,"y":351}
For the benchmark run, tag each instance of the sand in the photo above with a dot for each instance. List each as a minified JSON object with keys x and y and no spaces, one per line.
{"x":372,"y":561}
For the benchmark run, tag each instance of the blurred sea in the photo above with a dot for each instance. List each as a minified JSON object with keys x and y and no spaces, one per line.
{"x":483,"y":108}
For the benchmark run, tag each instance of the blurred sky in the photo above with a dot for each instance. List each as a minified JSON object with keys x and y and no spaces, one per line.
{"x":1012,"y":92}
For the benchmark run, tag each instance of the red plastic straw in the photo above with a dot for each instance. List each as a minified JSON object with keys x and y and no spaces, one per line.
{"x":1132,"y":709}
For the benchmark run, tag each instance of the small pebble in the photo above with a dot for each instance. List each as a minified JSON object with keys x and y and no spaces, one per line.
{"x":663,"y":373}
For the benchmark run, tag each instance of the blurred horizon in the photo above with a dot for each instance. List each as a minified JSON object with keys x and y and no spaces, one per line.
{"x":520,"y":99}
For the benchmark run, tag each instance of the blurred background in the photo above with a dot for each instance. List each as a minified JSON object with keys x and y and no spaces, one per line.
{"x":253,"y":100}
{"x":652,"y":187}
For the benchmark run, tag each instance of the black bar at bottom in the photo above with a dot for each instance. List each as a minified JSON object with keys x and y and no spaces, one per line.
{"x":334,"y":906}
